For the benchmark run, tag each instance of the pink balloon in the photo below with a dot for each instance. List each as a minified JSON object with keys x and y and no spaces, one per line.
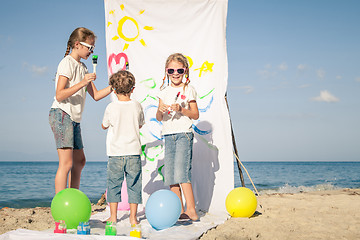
{"x":123,"y":205}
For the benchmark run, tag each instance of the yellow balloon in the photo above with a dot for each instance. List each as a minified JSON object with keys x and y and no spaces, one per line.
{"x":241,"y":202}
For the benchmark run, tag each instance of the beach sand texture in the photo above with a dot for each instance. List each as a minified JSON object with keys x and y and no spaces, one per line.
{"x":313,"y":215}
{"x":38,"y":218}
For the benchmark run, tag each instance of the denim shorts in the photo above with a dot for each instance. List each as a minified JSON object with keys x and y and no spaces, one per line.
{"x":178,"y":158}
{"x":117,"y":167}
{"x":67,"y":133}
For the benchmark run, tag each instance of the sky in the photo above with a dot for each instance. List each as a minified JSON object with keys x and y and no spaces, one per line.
{"x":293,"y":87}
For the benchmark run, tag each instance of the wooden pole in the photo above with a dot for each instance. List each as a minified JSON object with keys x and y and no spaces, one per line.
{"x":234,"y":145}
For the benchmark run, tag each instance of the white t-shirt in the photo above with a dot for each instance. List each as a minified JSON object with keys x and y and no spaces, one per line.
{"x":75,"y":72}
{"x":124,"y":119}
{"x":177,"y":122}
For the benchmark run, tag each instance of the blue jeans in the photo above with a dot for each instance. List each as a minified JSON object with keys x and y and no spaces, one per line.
{"x":67,"y":133}
{"x":178,"y":158}
{"x":116,"y":168}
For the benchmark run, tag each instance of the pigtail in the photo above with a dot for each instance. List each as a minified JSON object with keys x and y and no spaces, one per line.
{"x":67,"y":50}
{"x":163,"y":84}
{"x":187,"y":80}
{"x":161,"y":87}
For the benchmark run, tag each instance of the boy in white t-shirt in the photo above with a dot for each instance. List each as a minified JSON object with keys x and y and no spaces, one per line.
{"x":123,"y":119}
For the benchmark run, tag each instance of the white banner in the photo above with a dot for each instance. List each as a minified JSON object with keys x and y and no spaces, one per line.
{"x":140,"y":35}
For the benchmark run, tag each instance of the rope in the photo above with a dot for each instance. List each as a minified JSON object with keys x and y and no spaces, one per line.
{"x":247,"y":174}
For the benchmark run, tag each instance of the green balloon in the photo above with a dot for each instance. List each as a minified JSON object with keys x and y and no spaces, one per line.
{"x":72,"y":206}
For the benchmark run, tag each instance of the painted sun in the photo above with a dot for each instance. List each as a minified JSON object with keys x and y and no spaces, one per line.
{"x":128,"y":29}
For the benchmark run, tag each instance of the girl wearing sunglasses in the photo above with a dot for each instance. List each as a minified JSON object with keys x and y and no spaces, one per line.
{"x":177,"y":108}
{"x":72,"y":81}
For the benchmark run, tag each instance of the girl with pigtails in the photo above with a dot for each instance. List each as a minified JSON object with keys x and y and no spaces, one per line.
{"x":72,"y":81}
{"x":177,"y":108}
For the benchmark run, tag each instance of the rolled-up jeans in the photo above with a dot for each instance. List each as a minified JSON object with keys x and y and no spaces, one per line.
{"x":178,"y":158}
{"x":117,"y":167}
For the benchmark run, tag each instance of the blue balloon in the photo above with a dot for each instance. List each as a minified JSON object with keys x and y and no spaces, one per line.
{"x":163,"y":209}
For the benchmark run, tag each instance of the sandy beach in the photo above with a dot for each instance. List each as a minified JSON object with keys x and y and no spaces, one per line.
{"x":313,"y":215}
{"x":38,"y":218}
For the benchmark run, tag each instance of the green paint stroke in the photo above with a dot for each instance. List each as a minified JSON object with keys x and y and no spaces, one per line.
{"x":160,"y":173}
{"x":148,"y":96}
{"x":146,"y":156}
{"x":142,"y":135}
{"x":149,"y":83}
{"x":207,"y":93}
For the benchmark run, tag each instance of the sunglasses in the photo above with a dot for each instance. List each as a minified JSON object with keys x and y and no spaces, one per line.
{"x":90,"y":47}
{"x":171,"y":71}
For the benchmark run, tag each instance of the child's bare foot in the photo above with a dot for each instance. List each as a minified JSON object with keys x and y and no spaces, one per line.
{"x":189,"y":215}
{"x":111,"y":219}
{"x":133,"y":221}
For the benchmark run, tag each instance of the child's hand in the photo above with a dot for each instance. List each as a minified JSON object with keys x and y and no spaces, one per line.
{"x":89,"y":77}
{"x":163,"y":108}
{"x":176,"y":107}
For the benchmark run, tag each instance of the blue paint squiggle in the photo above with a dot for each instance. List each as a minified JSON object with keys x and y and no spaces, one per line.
{"x":208,"y":106}
{"x":152,"y":134}
{"x":200,"y":132}
{"x":150,"y":106}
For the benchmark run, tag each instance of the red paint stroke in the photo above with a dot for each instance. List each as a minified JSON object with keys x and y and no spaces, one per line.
{"x":117,"y":58}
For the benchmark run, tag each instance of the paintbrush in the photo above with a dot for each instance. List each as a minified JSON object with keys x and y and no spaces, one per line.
{"x":175,"y":99}
{"x":94,"y":62}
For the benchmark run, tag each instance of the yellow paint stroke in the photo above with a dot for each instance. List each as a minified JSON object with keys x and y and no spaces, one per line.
{"x":112,"y":12}
{"x":205,"y":67}
{"x":125,"y":46}
{"x":191,"y":62}
{"x":120,"y":32}
{"x":148,"y":28}
{"x":142,"y":42}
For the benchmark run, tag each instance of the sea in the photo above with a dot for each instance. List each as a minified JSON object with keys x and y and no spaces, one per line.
{"x":31,"y":184}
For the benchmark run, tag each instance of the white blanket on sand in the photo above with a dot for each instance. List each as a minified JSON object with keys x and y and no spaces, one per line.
{"x":181,"y":230}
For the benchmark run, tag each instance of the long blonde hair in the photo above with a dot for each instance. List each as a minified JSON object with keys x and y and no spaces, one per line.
{"x":80,"y":34}
{"x":178,"y":57}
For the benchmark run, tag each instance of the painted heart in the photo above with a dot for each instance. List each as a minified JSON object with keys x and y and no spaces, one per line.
{"x":121,"y":62}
